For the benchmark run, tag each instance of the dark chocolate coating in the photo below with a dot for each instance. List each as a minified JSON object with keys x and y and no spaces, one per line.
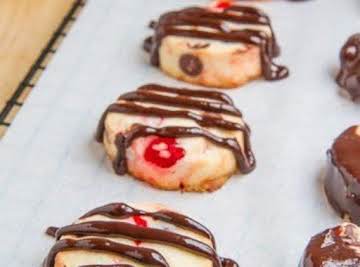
{"x":334,"y":247}
{"x":168,"y":24}
{"x":342,"y":180}
{"x":99,"y":230}
{"x":349,"y":75}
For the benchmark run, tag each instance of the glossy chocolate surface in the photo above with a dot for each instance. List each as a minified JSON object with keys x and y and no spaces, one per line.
{"x":336,"y":247}
{"x":349,"y":75}
{"x":93,"y":237}
{"x":342,"y":181}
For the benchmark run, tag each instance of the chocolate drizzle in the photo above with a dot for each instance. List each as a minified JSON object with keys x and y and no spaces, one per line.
{"x":336,"y":247}
{"x":212,"y":95}
{"x":121,"y":210}
{"x":349,"y":75}
{"x":172,"y":23}
{"x":342,"y":181}
{"x":124,"y":141}
{"x":144,"y":255}
{"x":98,"y":230}
{"x":181,"y":101}
{"x":101,"y":228}
{"x":210,"y":103}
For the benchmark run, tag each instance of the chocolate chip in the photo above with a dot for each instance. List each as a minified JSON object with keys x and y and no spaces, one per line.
{"x":190,"y":64}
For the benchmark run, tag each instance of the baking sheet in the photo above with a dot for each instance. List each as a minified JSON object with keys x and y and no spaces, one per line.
{"x":51,"y":170}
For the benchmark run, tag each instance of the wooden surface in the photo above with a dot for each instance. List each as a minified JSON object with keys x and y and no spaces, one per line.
{"x":25,"y":28}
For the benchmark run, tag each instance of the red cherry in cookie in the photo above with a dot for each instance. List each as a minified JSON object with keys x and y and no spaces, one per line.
{"x":223,"y":4}
{"x":163,"y":152}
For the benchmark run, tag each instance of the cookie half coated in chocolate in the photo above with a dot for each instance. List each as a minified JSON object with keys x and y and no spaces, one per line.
{"x":335,"y":247}
{"x":349,"y":75}
{"x":342,"y":181}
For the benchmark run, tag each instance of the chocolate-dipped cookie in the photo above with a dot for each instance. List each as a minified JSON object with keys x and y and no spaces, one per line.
{"x":336,"y":247}
{"x":172,"y":138}
{"x":118,"y":235}
{"x":349,"y":75}
{"x":342,"y":181}
{"x":218,"y":46}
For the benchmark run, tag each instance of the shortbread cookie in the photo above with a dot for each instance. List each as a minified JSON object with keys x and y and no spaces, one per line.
{"x":349,"y":75}
{"x":342,"y":181}
{"x":336,"y":247}
{"x":171,"y":138}
{"x":117,"y":235}
{"x":215,"y":47}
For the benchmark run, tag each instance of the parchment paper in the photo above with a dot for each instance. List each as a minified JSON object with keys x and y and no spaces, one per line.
{"x":52,"y":171}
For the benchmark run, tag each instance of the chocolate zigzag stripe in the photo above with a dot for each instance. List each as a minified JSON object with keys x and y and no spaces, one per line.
{"x":101,"y":228}
{"x":187,"y":92}
{"x":172,"y":23}
{"x":122,"y":210}
{"x":214,"y":102}
{"x":224,"y":262}
{"x":98,"y":230}
{"x":246,"y":162}
{"x":202,"y":119}
{"x":181,"y":101}
{"x":144,"y":255}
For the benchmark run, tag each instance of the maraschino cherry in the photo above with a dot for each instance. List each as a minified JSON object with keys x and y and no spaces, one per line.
{"x":223,"y":4}
{"x":163,"y":152}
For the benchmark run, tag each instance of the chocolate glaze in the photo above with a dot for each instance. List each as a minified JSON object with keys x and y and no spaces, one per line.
{"x":168,"y":24}
{"x":334,"y":247}
{"x":342,"y":181}
{"x":349,"y":75}
{"x":98,"y":230}
{"x":209,"y":101}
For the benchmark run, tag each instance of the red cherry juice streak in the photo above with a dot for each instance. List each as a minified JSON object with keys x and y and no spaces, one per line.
{"x":153,"y":152}
{"x":139,"y":222}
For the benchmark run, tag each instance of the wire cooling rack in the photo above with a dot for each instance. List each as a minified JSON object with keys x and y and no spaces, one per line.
{"x":13,"y":105}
